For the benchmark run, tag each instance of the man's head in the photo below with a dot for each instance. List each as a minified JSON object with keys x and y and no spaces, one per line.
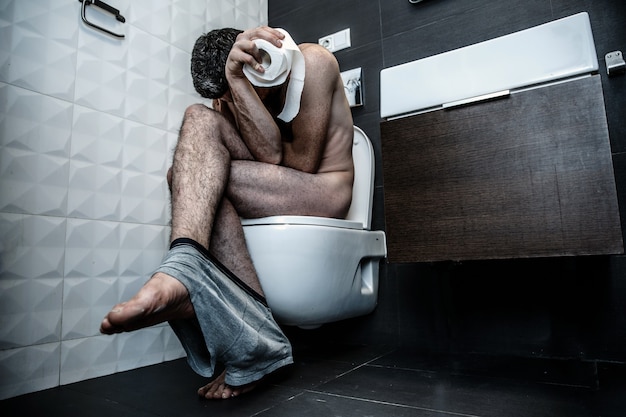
{"x":208,"y":62}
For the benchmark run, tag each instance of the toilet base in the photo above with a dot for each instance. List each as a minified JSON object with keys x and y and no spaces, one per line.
{"x":312,"y":274}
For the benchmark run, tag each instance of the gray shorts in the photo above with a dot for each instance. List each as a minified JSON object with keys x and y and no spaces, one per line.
{"x":233,"y":327}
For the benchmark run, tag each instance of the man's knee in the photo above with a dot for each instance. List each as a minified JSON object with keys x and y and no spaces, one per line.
{"x":197,"y":111}
{"x":199,"y":115}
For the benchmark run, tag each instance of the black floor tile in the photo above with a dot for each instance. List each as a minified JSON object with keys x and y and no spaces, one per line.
{"x":342,"y":380}
{"x":67,"y":403}
{"x":169,"y":389}
{"x":322,"y":404}
{"x":311,"y":373}
{"x":548,"y":371}
{"x":466,"y":395}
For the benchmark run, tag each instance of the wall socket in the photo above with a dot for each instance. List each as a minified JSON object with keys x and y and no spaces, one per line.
{"x":337,"y":41}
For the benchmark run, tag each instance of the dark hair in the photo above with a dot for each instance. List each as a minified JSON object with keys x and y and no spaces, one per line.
{"x":208,"y":61}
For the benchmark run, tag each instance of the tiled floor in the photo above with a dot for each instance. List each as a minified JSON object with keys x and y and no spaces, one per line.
{"x":352,"y":381}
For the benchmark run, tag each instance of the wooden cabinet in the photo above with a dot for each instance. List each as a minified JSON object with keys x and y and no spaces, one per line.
{"x":529,"y":175}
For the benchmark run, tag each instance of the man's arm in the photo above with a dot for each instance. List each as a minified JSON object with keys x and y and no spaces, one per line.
{"x":256,"y":125}
{"x":310,"y":126}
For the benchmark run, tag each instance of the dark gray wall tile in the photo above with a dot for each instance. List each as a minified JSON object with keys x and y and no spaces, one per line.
{"x":318,"y":18}
{"x":574,"y":307}
{"x":464,"y":28}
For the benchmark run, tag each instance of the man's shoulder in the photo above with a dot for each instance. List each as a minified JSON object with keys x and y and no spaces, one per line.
{"x":318,"y":58}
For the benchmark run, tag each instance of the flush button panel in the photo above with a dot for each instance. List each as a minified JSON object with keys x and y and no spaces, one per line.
{"x":553,"y":51}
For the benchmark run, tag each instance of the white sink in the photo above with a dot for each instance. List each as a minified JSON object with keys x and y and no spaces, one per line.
{"x":559,"y":49}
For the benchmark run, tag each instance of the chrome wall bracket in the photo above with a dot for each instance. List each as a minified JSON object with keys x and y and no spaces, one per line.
{"x":615,"y":63}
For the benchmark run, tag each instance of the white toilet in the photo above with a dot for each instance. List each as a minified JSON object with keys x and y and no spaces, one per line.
{"x":317,"y":270}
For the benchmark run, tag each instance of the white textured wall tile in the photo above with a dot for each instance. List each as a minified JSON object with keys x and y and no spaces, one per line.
{"x":87,"y":358}
{"x":251,"y":9}
{"x":19,"y":187}
{"x":101,"y":69}
{"x":100,"y":85}
{"x":85,"y":303}
{"x":41,"y":55}
{"x":24,"y":238}
{"x":243,"y":20}
{"x":34,"y":122}
{"x":180,"y":74}
{"x":155,"y":19}
{"x":142,"y":250}
{"x":30,"y":292}
{"x":141,"y":348}
{"x":146,"y":101}
{"x":35,"y":135}
{"x":30,"y":311}
{"x":29,"y":369}
{"x":144,"y":198}
{"x":145,"y":194}
{"x":148,"y":56}
{"x":188,"y":21}
{"x":91,"y":275}
{"x":220,"y":14}
{"x":147,"y":81}
{"x":96,"y":165}
{"x":181,"y":92}
{"x":146,"y":150}
{"x":88,"y":124}
{"x":263,"y":12}
{"x":92,"y":249}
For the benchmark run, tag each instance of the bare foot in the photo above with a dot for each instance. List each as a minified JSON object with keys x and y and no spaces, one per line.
{"x":162,"y":298}
{"x":218,"y":389}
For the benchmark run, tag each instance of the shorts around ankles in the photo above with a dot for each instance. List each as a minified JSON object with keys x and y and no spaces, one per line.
{"x":234,"y":325}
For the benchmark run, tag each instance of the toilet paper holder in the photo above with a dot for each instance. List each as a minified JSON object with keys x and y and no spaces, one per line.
{"x":103,"y":6}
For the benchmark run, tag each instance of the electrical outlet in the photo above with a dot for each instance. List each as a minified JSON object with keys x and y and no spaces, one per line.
{"x":327,"y":42}
{"x":337,"y":41}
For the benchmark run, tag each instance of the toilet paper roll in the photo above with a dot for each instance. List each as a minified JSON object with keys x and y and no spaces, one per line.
{"x":279,"y":63}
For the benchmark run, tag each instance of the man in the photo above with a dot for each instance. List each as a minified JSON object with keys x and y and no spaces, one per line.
{"x":239,"y":160}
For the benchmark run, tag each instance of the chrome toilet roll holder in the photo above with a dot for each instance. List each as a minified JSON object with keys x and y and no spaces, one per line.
{"x":104,"y":6}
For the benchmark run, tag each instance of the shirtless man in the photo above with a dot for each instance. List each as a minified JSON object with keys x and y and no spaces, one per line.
{"x":236,"y":161}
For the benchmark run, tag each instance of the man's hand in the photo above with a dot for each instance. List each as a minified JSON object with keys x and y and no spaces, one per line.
{"x":245,"y":51}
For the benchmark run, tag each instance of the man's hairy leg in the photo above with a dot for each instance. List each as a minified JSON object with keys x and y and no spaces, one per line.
{"x":260,"y":190}
{"x":228,"y":245}
{"x":199,"y":174}
{"x":197,"y":180}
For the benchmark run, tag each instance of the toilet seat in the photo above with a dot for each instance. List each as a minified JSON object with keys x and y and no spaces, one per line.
{"x":303,"y":220}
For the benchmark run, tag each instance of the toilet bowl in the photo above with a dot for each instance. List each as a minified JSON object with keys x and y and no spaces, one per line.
{"x":317,"y":270}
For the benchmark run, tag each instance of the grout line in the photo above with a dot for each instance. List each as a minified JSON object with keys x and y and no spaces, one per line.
{"x":293,"y":397}
{"x":366,"y":363}
{"x":411,"y":407}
